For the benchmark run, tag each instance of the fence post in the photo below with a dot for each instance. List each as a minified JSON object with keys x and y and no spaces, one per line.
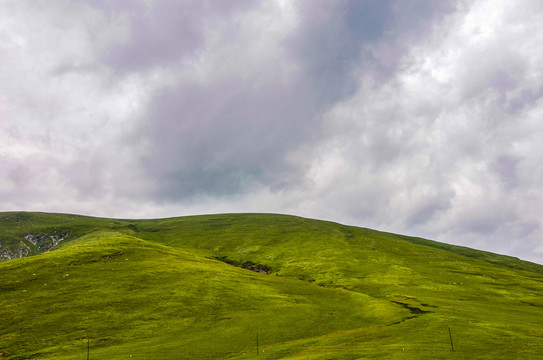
{"x":450,"y":337}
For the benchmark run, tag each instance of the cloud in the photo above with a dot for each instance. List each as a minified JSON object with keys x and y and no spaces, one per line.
{"x":163,"y":33}
{"x":262,"y":97}
{"x":264,"y":101}
{"x":234,"y":110}
{"x":441,"y":139}
{"x":417,"y":117}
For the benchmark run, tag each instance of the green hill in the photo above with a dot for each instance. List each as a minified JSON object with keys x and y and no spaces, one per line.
{"x":211,"y":287}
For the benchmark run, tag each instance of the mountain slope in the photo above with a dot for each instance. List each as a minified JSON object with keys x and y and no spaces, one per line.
{"x":177,"y":288}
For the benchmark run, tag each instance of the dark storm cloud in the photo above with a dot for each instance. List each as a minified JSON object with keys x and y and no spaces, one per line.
{"x":221,"y":138}
{"x":330,"y":38}
{"x":224,"y":137}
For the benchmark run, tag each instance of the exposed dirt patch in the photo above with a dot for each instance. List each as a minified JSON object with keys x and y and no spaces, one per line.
{"x":412,"y":309}
{"x":249,"y":265}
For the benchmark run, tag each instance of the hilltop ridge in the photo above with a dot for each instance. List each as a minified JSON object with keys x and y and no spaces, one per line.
{"x":31,"y":233}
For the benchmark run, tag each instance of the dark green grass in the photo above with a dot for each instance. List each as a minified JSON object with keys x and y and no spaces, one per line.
{"x":151,"y":289}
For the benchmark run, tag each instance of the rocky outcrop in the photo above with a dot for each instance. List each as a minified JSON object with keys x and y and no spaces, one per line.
{"x":31,"y":243}
{"x":46,"y":242}
{"x":7,"y":254}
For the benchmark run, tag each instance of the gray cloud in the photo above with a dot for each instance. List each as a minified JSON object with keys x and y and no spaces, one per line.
{"x":506,"y":167}
{"x":526,"y":98}
{"x":220,"y":139}
{"x":225,"y":137}
{"x":163,"y":32}
{"x":329,"y":40}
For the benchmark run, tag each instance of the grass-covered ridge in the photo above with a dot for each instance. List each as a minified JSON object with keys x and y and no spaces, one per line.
{"x":161,"y":289}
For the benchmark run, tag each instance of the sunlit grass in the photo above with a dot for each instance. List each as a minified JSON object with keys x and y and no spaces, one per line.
{"x":151,"y":289}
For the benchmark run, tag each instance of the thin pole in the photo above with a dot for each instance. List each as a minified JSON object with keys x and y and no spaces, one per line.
{"x":257,"y":344}
{"x":450,"y":337}
{"x":88,"y":348}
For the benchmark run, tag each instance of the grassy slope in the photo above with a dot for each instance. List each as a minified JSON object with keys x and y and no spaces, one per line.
{"x":166,"y":297}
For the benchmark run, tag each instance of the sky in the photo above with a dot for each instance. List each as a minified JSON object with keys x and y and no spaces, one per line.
{"x":418,"y":117}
